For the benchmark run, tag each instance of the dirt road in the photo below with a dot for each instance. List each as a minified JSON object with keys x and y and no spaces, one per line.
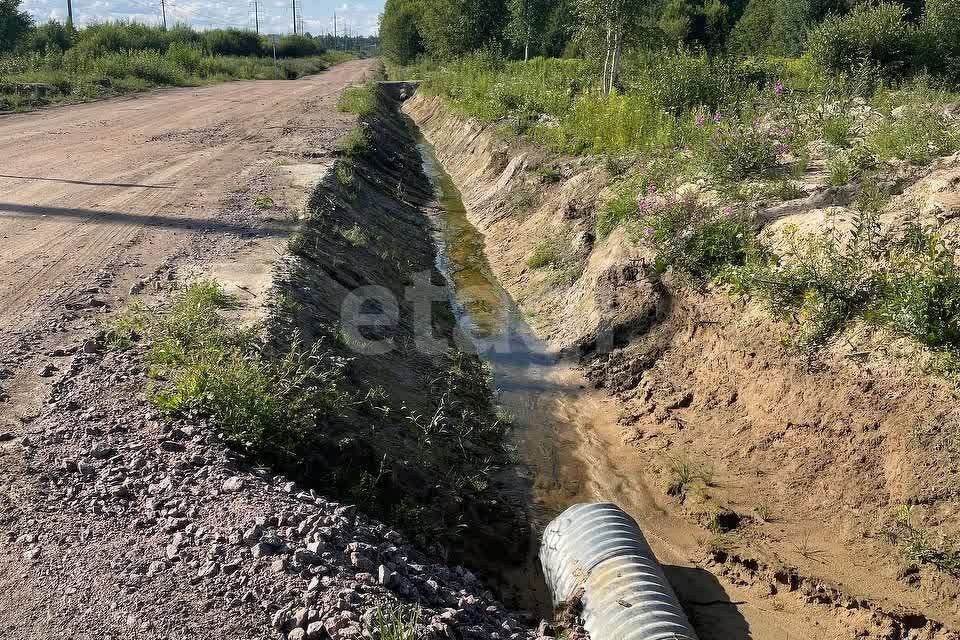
{"x":80,"y":184}
{"x":98,"y":198}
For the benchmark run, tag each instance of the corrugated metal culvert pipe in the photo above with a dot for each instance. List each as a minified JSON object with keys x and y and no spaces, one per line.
{"x":600,"y":549}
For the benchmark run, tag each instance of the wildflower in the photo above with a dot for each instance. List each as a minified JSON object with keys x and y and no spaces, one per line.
{"x":643,"y":204}
{"x":782,"y":149}
{"x":649,"y":231}
{"x":717,"y":117}
{"x":700,"y":120}
{"x":728,"y":211}
{"x":652,"y":189}
{"x":778,"y":88}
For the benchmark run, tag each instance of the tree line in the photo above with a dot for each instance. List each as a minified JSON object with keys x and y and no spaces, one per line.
{"x":18,"y":33}
{"x":444,"y":29}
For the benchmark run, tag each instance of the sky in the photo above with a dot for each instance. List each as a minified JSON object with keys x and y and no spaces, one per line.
{"x":275,"y":15}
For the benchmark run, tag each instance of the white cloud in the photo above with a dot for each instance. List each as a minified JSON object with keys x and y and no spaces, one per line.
{"x":358,"y":17}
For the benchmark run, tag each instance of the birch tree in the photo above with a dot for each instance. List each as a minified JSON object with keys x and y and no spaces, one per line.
{"x":525,"y":17}
{"x":609,"y":23}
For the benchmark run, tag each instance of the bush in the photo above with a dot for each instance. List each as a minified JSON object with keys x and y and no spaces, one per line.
{"x":921,"y":291}
{"x":734,"y":151}
{"x":695,"y":240}
{"x":877,"y":35}
{"x":117,"y":37}
{"x":50,"y":36}
{"x":233,"y":42}
{"x":265,"y":403}
{"x":297,"y":47}
{"x":825,"y":280}
{"x":940,"y":36}
{"x":186,"y":56}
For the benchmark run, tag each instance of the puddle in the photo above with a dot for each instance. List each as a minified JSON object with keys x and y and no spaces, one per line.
{"x":541,"y":392}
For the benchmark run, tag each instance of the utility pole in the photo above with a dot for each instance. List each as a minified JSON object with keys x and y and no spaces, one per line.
{"x":70,"y":12}
{"x":163,"y":8}
{"x":256,"y":16}
{"x":294,"y":17}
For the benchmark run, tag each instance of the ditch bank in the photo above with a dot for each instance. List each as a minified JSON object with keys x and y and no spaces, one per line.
{"x":421,"y":445}
{"x":763,"y":480}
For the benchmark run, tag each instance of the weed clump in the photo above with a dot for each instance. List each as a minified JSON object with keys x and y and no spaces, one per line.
{"x":265,"y":402}
{"x":358,"y":99}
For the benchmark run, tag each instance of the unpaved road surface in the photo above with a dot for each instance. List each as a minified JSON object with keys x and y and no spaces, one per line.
{"x":98,"y":199}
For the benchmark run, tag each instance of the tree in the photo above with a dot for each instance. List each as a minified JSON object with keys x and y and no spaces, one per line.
{"x":557,"y":29}
{"x":14,"y":24}
{"x":675,"y":21}
{"x":451,"y":28}
{"x":607,"y":23}
{"x":400,"y":32}
{"x":525,"y":16}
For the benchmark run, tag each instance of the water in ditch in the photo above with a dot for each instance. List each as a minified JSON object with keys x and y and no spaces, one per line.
{"x":552,"y":413}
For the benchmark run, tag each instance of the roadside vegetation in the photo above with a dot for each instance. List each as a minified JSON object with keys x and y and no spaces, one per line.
{"x":295,"y":406}
{"x":55,"y":63}
{"x":707,"y":112}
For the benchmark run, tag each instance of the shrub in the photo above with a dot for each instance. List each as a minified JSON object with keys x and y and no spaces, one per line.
{"x":186,"y":56}
{"x":877,"y":34}
{"x":940,"y":36}
{"x":297,"y":47}
{"x":117,"y":37}
{"x":51,"y":35}
{"x":695,"y":240}
{"x":233,"y":42}
{"x":735,"y":151}
{"x":921,"y":290}
{"x":263,"y":402}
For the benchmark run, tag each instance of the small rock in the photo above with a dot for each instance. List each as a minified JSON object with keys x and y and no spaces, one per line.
{"x":232,"y":484}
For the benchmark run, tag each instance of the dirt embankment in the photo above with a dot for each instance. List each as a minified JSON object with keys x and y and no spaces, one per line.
{"x":812,"y":456}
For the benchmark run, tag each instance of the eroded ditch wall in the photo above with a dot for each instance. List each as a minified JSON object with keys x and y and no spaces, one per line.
{"x":827,"y":446}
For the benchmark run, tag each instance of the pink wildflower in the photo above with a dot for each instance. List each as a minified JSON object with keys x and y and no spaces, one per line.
{"x":699,"y":120}
{"x":717,"y":117}
{"x":778,"y":88}
{"x":649,"y":231}
{"x":652,"y":189}
{"x":728,"y":211}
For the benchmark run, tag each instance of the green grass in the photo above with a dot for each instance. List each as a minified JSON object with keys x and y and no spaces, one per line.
{"x":396,"y":623}
{"x":80,"y":74}
{"x":355,"y":235}
{"x":919,"y":135}
{"x":917,"y":546}
{"x":686,"y":474}
{"x":358,"y":99}
{"x":355,"y":143}
{"x":547,"y":253}
{"x":264,"y":402}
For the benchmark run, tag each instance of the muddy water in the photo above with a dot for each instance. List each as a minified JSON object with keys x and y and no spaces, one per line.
{"x":553,"y":413}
